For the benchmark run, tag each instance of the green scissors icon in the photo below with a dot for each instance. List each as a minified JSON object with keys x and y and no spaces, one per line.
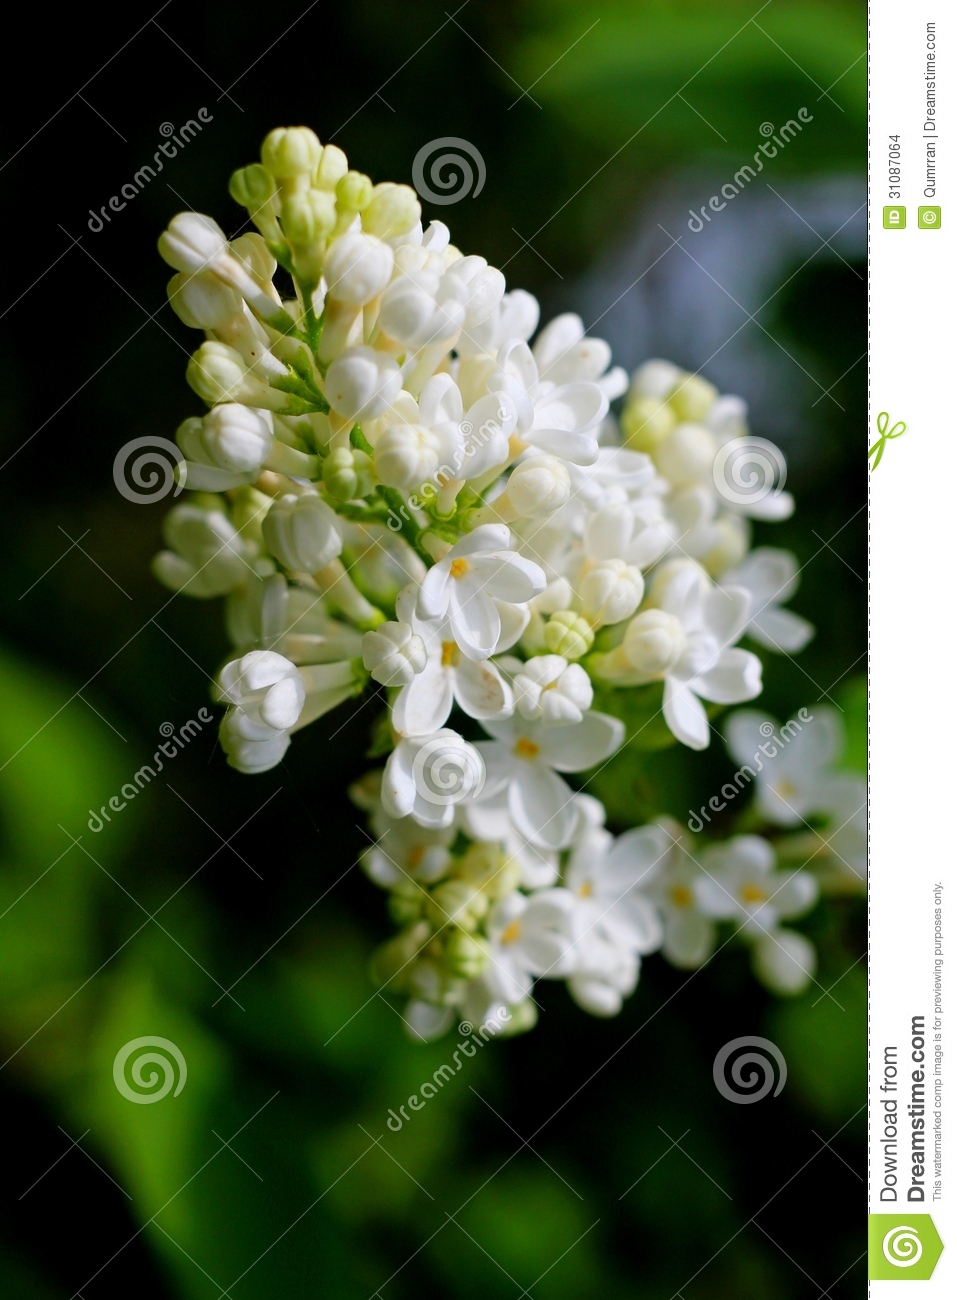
{"x":886,"y":432}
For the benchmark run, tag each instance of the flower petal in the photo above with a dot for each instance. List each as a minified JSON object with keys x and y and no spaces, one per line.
{"x":685,"y":715}
{"x":541,"y":806}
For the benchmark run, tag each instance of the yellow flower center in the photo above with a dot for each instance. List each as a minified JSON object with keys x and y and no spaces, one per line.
{"x":459,"y":568}
{"x":526,"y":748}
{"x":753,"y":894}
{"x":786,"y":789}
{"x":511,"y":932}
{"x":450,"y":651}
{"x":682,"y":896}
{"x":586,"y":889}
{"x":415,"y":856}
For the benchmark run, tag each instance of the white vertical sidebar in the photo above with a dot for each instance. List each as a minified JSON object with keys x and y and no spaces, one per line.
{"x":913,"y":637}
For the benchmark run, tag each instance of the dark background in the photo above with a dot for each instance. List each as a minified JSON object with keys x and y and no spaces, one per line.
{"x":633,"y":113}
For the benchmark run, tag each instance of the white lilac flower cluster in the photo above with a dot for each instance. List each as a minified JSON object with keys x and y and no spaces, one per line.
{"x":392,"y":484}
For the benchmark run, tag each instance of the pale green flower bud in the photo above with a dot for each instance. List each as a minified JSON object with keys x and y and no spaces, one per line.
{"x":252,"y":187}
{"x":333,"y":165}
{"x":465,"y":956}
{"x":290,"y":152}
{"x":686,"y":455}
{"x":646,"y":422}
{"x":485,"y":866}
{"x":353,"y":192}
{"x":392,"y":211}
{"x":693,"y":398}
{"x":456,"y":902}
{"x":339,"y":474}
{"x":308,"y":217}
{"x":568,"y":634}
{"x":406,"y":902}
{"x":610,"y":592}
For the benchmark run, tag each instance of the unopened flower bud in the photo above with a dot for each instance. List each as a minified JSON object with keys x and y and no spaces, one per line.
{"x":646,"y":422}
{"x":456,"y":902}
{"x":486,"y":866}
{"x":654,"y":642}
{"x":202,"y":301}
{"x":568,"y":634}
{"x":353,"y":192}
{"x":266,"y":687}
{"x":237,"y":437}
{"x":289,"y":152}
{"x":308,"y":217}
{"x":302,"y":532}
{"x":393,"y":211}
{"x":406,"y":902}
{"x":405,"y":455}
{"x":693,"y":398}
{"x":465,"y":956}
{"x":339,"y":474}
{"x":191,"y":241}
{"x":538,"y":486}
{"x":252,"y":187}
{"x":655,"y":379}
{"x":610,"y":592}
{"x":205,"y":555}
{"x":393,"y":654}
{"x":731,"y":546}
{"x":333,"y":165}
{"x":362,"y":383}
{"x":357,"y":268}
{"x":686,"y":455}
